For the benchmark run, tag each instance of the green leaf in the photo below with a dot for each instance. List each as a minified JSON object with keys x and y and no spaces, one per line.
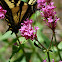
{"x":46,"y":40}
{"x":34,"y":58}
{"x":15,"y":49}
{"x":60,"y":45}
{"x":19,"y":59}
{"x":24,"y":60}
{"x":28,"y":55}
{"x":7,"y":35}
{"x":25,"y":0}
{"x":22,"y":40}
{"x":35,"y":15}
{"x":39,"y":35}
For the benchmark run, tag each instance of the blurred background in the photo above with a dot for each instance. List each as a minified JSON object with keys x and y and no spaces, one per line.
{"x":9,"y":48}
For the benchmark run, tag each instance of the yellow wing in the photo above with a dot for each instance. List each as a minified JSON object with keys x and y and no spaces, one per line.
{"x":16,"y":9}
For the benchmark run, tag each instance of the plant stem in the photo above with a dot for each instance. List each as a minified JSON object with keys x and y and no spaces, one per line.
{"x":59,"y":53}
{"x":22,"y":49}
{"x":48,"y":56}
{"x":40,"y":44}
{"x":38,"y":55}
{"x":27,"y":60}
{"x":57,"y":47}
{"x":17,"y":38}
{"x":49,"y":48}
{"x":50,"y":43}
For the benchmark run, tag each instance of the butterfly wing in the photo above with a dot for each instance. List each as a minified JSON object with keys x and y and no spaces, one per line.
{"x":17,"y":11}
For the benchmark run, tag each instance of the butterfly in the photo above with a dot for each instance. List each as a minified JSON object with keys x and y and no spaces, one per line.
{"x":17,"y":11}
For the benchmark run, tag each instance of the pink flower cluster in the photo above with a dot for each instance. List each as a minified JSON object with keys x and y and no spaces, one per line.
{"x":2,"y":12}
{"x":52,"y":61}
{"x":47,"y":8}
{"x":27,"y":30}
{"x":42,"y":3}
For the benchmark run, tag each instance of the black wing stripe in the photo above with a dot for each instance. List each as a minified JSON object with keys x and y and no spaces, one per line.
{"x":5,"y":6}
{"x":20,"y":8}
{"x":28,"y":13}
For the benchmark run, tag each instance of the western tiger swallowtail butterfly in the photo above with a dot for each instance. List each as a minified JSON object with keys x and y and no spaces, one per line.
{"x":17,"y":11}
